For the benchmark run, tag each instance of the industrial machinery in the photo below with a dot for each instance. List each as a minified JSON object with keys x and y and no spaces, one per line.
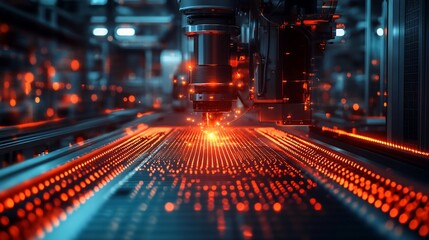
{"x":260,"y":51}
{"x":180,"y":89}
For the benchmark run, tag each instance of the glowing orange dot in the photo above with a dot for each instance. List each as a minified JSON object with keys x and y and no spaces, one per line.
{"x":94,"y":97}
{"x":55,"y":86}
{"x":8,"y":203}
{"x":125,"y":99}
{"x":317,"y":206}
{"x":131,"y":98}
{"x":28,"y":77}
{"x":21,"y":213}
{"x":64,"y":197}
{"x":37,"y":99}
{"x":12,"y":102}
{"x":74,"y":65}
{"x":403,"y":218}
{"x":277,"y":207}
{"x":414,"y":224}
{"x":247,"y":233}
{"x":50,"y":112}
{"x":258,"y":207}
{"x":424,"y":231}
{"x":197,"y":207}
{"x":241,"y":207}
{"x":169,"y":207}
{"x":1,"y":208}
{"x":74,"y":98}
{"x":4,"y":220}
{"x":51,"y":71}
{"x":355,"y":106}
{"x":14,"y":231}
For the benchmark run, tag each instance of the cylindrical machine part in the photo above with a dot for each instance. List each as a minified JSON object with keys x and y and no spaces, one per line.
{"x":212,"y":49}
{"x":211,"y":25}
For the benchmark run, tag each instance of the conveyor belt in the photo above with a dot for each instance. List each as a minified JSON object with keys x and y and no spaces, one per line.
{"x":225,"y":183}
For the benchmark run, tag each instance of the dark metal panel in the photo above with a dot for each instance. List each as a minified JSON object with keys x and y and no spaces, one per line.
{"x":424,"y":76}
{"x":395,"y":76}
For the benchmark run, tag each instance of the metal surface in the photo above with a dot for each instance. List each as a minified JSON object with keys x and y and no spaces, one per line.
{"x":191,"y":183}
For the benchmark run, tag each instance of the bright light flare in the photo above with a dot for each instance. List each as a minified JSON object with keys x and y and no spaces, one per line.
{"x":100,"y":31}
{"x":340,"y":32}
{"x":380,"y":32}
{"x":125,"y":31}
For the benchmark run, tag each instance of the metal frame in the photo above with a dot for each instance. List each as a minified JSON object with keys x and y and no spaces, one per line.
{"x":424,"y":76}
{"x":395,"y":70}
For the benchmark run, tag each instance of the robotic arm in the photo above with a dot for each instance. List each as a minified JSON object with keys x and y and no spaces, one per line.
{"x":260,"y":51}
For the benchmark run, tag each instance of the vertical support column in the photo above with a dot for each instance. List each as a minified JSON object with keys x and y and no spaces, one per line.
{"x":395,"y":70}
{"x":383,"y":60}
{"x":368,"y":48}
{"x":424,"y":76}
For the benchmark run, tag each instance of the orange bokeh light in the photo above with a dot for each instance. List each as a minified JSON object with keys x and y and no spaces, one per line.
{"x":50,"y":112}
{"x":94,"y":97}
{"x":12,"y":102}
{"x":131,"y":98}
{"x":169,"y":207}
{"x":74,"y":98}
{"x":74,"y":65}
{"x":55,"y":86}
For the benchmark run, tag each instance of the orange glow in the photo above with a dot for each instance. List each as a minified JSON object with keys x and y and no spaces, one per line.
{"x":28,"y":77}
{"x":317,"y":206}
{"x":125,"y":99}
{"x":355,"y":106}
{"x":12,"y":102}
{"x":37,"y":100}
{"x":131,"y":98}
{"x":55,"y":86}
{"x":314,"y":22}
{"x":169,"y":207}
{"x":51,"y":71}
{"x":258,"y":207}
{"x":94,"y":97}
{"x":379,"y":191}
{"x":74,"y":98}
{"x":4,"y":28}
{"x":8,"y":203}
{"x":377,"y":141}
{"x":197,"y":207}
{"x":74,"y":65}
{"x":277,"y":207}
{"x":50,"y":112}
{"x":241,"y":207}
{"x":80,"y":140}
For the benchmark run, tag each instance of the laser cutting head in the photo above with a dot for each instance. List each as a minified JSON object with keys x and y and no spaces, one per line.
{"x":211,"y":23}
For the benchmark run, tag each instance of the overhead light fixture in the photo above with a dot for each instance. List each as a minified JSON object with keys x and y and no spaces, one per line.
{"x":125,"y":31}
{"x":380,"y":32}
{"x":100,"y":31}
{"x":340,"y":32}
{"x":98,"y":2}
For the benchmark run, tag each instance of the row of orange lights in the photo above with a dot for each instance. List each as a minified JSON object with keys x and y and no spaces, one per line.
{"x":377,"y":141}
{"x":390,"y":197}
{"x":218,"y":170}
{"x":33,"y":208}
